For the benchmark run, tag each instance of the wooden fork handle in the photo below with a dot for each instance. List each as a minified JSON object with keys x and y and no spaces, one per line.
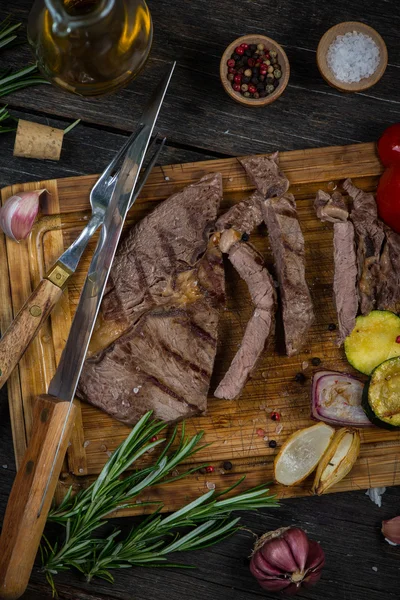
{"x":25,"y":326}
{"x":23,"y":525}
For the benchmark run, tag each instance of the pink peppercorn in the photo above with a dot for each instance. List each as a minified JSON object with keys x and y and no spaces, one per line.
{"x":209,"y":469}
{"x":236,"y":87}
{"x":231,"y":62}
{"x":398,"y":339}
{"x":239,"y":50}
{"x":238,"y":78}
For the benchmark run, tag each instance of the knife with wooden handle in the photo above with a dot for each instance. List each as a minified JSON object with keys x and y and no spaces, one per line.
{"x":37,"y":477}
{"x":24,"y":521}
{"x":41,"y":302}
{"x":28,"y":321}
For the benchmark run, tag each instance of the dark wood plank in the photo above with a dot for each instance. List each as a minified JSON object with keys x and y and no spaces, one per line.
{"x":201,"y":121}
{"x":86,"y":149}
{"x":197,"y":111}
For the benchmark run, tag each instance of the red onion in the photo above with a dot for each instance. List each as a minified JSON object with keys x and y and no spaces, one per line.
{"x":336,"y":399}
{"x":285,"y":560}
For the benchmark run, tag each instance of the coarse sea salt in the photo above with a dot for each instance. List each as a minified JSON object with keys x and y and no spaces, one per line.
{"x":353,"y":56}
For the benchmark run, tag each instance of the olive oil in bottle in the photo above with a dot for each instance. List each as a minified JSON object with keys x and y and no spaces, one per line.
{"x":90,"y":47}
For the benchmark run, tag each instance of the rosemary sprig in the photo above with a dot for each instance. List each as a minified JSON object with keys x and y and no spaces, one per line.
{"x":11,"y":81}
{"x":208,"y":517}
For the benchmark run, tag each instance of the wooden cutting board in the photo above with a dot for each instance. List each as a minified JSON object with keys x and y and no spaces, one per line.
{"x":236,"y":429}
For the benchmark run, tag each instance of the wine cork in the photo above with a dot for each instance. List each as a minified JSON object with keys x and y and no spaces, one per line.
{"x":34,"y":140}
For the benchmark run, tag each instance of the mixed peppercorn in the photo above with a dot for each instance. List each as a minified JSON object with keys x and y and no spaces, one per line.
{"x":254,"y":71}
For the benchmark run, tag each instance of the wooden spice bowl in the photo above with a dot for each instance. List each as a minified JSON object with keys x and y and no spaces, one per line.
{"x":330,"y":36}
{"x":282,"y":60}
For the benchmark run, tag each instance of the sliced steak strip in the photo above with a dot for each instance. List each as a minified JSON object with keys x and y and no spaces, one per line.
{"x":287,"y":243}
{"x":389,"y":274}
{"x":345,"y":278}
{"x":369,"y":240}
{"x":244,"y":216}
{"x":330,"y":208}
{"x":250,"y":266}
{"x":164,"y":361}
{"x":264,"y":172}
{"x":333,"y":209}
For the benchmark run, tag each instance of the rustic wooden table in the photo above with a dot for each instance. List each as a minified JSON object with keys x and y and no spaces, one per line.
{"x":202,"y":122}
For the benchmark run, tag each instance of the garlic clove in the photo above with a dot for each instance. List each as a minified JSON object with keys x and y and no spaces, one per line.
{"x":315,"y":557}
{"x":299,"y":546}
{"x":338,"y":459}
{"x":278,"y":554}
{"x":264,"y":566}
{"x":391,"y":530}
{"x":19,"y":213}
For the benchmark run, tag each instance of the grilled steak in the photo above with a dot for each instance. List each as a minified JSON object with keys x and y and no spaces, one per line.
{"x":345,"y":278}
{"x":369,"y":237}
{"x":330,"y":208}
{"x":250,"y":266}
{"x":156,"y":343}
{"x":169,"y":240}
{"x":389,"y":274}
{"x":244,"y":216}
{"x":264,"y":172}
{"x":333,"y":209}
{"x":287,"y":243}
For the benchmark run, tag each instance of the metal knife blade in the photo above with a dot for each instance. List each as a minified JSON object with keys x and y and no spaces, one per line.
{"x":65,"y":381}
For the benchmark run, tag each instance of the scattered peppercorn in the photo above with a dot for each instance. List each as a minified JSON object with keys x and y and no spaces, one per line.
{"x":209,"y":469}
{"x":154,"y":438}
{"x":202,"y":471}
{"x":255,"y":70}
{"x":245,"y":237}
{"x":227,"y":466}
{"x":300,"y":377}
{"x":275,"y":416}
{"x":398,"y":339}
{"x":272,"y":444}
{"x":331,"y":327}
{"x":315,"y":361}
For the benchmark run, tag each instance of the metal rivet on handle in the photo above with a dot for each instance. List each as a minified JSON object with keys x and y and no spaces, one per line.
{"x":35,"y":311}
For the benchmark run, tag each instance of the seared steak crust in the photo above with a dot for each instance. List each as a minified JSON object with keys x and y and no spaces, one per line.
{"x":330,"y":208}
{"x":170,"y":239}
{"x":369,"y":235}
{"x":244,"y":216}
{"x":333,"y":209}
{"x":345,"y":278}
{"x":264,"y":172}
{"x":287,"y":243}
{"x":250,"y":266}
{"x":389,"y":275}
{"x":166,"y":289}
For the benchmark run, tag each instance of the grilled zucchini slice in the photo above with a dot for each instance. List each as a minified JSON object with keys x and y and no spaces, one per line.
{"x":373,"y":340}
{"x":381,"y":397}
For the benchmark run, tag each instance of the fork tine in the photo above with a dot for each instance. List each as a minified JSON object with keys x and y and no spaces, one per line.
{"x":144,"y":176}
{"x":109,"y":169}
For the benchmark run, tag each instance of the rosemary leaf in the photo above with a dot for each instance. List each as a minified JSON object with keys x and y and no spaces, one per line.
{"x":204,"y":521}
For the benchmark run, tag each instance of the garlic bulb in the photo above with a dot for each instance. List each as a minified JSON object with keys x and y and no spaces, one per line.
{"x":285,"y":559}
{"x":19,"y":213}
{"x":391,"y":530}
